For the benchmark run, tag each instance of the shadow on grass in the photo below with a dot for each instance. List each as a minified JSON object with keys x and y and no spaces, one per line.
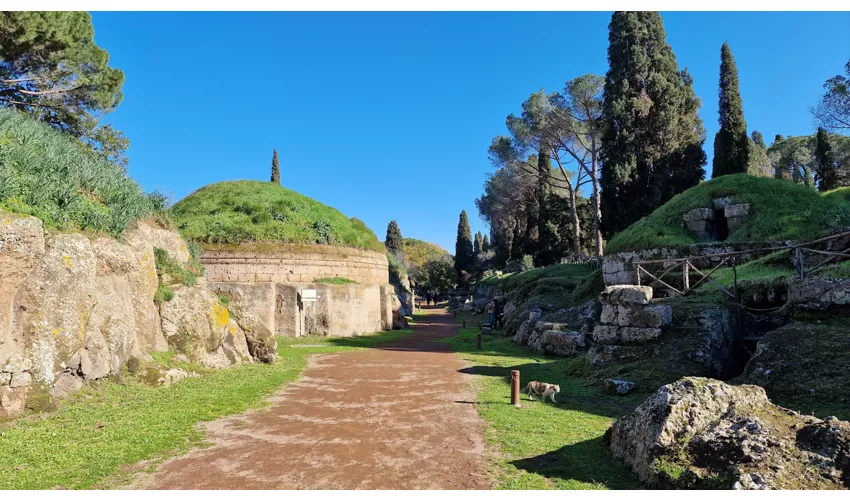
{"x":586,"y":461}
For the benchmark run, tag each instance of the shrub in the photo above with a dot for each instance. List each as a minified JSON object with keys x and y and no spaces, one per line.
{"x":50,"y":175}
{"x":520,"y":265}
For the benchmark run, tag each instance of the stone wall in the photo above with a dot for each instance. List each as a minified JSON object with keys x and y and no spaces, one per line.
{"x":290,"y":263}
{"x":265,"y":283}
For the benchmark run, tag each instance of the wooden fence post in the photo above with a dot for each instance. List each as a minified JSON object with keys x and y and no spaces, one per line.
{"x":686,"y":279}
{"x":798,"y":261}
{"x":515,"y":388}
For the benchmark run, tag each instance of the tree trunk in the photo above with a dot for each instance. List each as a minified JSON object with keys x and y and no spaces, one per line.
{"x":597,"y":207}
{"x":576,"y":226}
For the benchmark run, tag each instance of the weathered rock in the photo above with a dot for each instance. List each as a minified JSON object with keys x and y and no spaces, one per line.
{"x":619,"y":387}
{"x":174,"y":375}
{"x":196,"y":324}
{"x":66,"y":384}
{"x":561,"y":343}
{"x":12,"y":401}
{"x":702,"y":433}
{"x":524,"y":331}
{"x":5,"y":378}
{"x":605,"y":354}
{"x":637,"y":316}
{"x":535,"y":341}
{"x":819,"y":294}
{"x":22,"y":379}
{"x":624,"y":335}
{"x":700,"y":221}
{"x":581,"y":318}
{"x":736,"y":215}
{"x":626,"y":294}
{"x":249,"y":307}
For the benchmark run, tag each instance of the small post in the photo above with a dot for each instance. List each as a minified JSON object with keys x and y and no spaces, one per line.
{"x":798,"y":260}
{"x":478,"y":340}
{"x":464,"y":323}
{"x":515,"y":388}
{"x":686,"y":279}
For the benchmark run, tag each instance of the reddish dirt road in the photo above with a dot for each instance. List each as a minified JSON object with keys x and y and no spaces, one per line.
{"x":394,"y":417}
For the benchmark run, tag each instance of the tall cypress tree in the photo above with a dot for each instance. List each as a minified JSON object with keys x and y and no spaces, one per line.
{"x":485,"y":245}
{"x":394,"y":242}
{"x":759,"y":139}
{"x":824,"y":160}
{"x":731,"y":146}
{"x":275,"y":169}
{"x":463,"y":247}
{"x":652,"y":144}
{"x":479,"y":243}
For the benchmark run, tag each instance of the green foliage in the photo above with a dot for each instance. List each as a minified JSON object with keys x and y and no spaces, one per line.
{"x":517,"y":266}
{"x":163,"y":294}
{"x":171,"y":271}
{"x":758,"y":162}
{"x":417,"y":255}
{"x":796,"y":158}
{"x":394,"y":242}
{"x":543,"y":445}
{"x":108,"y":425}
{"x":479,"y":242}
{"x":337,"y":280}
{"x":464,"y":257}
{"x":248,"y":211}
{"x":731,"y":146}
{"x":833,"y":108}
{"x":275,"y":168}
{"x":652,"y":145}
{"x":823,"y":159}
{"x":52,"y":69}
{"x":485,"y":245}
{"x":779,"y":210}
{"x":439,"y":274}
{"x":397,"y":271}
{"x":50,"y":175}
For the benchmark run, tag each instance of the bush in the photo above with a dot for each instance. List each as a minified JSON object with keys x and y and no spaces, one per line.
{"x":50,"y":175}
{"x":518,"y":266}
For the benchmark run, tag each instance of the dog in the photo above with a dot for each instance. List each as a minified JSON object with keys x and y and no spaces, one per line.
{"x":535,"y":388}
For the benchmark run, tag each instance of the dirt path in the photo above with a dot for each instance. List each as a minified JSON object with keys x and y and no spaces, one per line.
{"x":393,"y":417}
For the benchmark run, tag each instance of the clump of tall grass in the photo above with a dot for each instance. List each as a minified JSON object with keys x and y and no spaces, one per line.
{"x":51,"y":175}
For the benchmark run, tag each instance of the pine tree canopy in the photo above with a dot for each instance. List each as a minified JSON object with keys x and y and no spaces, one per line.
{"x":653,"y":138}
{"x":731,"y":145}
{"x":394,"y":242}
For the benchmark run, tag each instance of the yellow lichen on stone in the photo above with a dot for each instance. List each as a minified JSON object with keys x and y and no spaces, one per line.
{"x":67,"y":261}
{"x":221,"y":315}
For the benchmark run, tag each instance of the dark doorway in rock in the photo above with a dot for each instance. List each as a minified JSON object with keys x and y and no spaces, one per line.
{"x":721,"y":228}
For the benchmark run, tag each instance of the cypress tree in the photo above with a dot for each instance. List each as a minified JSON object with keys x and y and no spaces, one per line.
{"x":463,"y":247}
{"x":731,"y":154}
{"x":275,"y":169}
{"x":394,"y":242}
{"x":652,"y":144}
{"x":485,"y":245}
{"x":759,"y":139}
{"x":825,"y":164}
{"x":479,"y":243}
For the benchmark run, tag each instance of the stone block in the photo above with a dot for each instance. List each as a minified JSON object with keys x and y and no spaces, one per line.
{"x":698,"y":214}
{"x":637,"y":315}
{"x":619,"y":387}
{"x":819,"y":294}
{"x":626,"y":294}
{"x":739,"y":210}
{"x":563,"y":343}
{"x":5,"y":378}
{"x":22,"y":379}
{"x":616,"y":335}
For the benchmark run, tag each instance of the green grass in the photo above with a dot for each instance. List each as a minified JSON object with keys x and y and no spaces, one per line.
{"x":337,"y":280}
{"x":254,"y":211}
{"x":543,"y":445}
{"x":50,"y":175}
{"x":109,"y":425}
{"x":779,"y":210}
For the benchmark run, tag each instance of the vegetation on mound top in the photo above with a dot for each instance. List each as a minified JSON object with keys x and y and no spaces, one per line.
{"x":52,"y":176}
{"x":562,"y":285}
{"x":337,"y":280}
{"x":419,"y":252}
{"x":247,"y":211}
{"x":779,"y":210}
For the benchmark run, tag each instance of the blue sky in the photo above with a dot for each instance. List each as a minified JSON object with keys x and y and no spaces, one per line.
{"x":389,"y":115}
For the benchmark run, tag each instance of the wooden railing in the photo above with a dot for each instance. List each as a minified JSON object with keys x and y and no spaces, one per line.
{"x":687,"y":265}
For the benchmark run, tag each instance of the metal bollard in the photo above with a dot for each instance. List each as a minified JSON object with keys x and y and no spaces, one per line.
{"x":515,"y":388}
{"x":478,"y":339}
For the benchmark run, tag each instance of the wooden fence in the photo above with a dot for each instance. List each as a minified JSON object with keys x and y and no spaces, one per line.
{"x":687,"y":265}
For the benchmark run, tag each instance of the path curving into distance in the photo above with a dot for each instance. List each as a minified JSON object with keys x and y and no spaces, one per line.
{"x":391,"y":417}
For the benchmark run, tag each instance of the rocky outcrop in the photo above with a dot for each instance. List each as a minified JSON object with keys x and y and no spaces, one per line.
{"x":196,"y":324}
{"x":705,"y":434}
{"x":819,"y":294}
{"x":628,"y":324}
{"x":75,"y":308}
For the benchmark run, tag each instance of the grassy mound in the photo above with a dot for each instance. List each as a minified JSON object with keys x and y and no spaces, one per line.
{"x":779,"y":210}
{"x":52,"y":176}
{"x":246,"y":211}
{"x":419,"y":253}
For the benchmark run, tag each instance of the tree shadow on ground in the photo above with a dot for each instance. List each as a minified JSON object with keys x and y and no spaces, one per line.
{"x":587,"y":461}
{"x":573,"y":395}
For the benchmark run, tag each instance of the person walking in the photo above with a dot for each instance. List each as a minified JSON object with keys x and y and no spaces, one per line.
{"x":497,"y":313}
{"x":491,"y":313}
